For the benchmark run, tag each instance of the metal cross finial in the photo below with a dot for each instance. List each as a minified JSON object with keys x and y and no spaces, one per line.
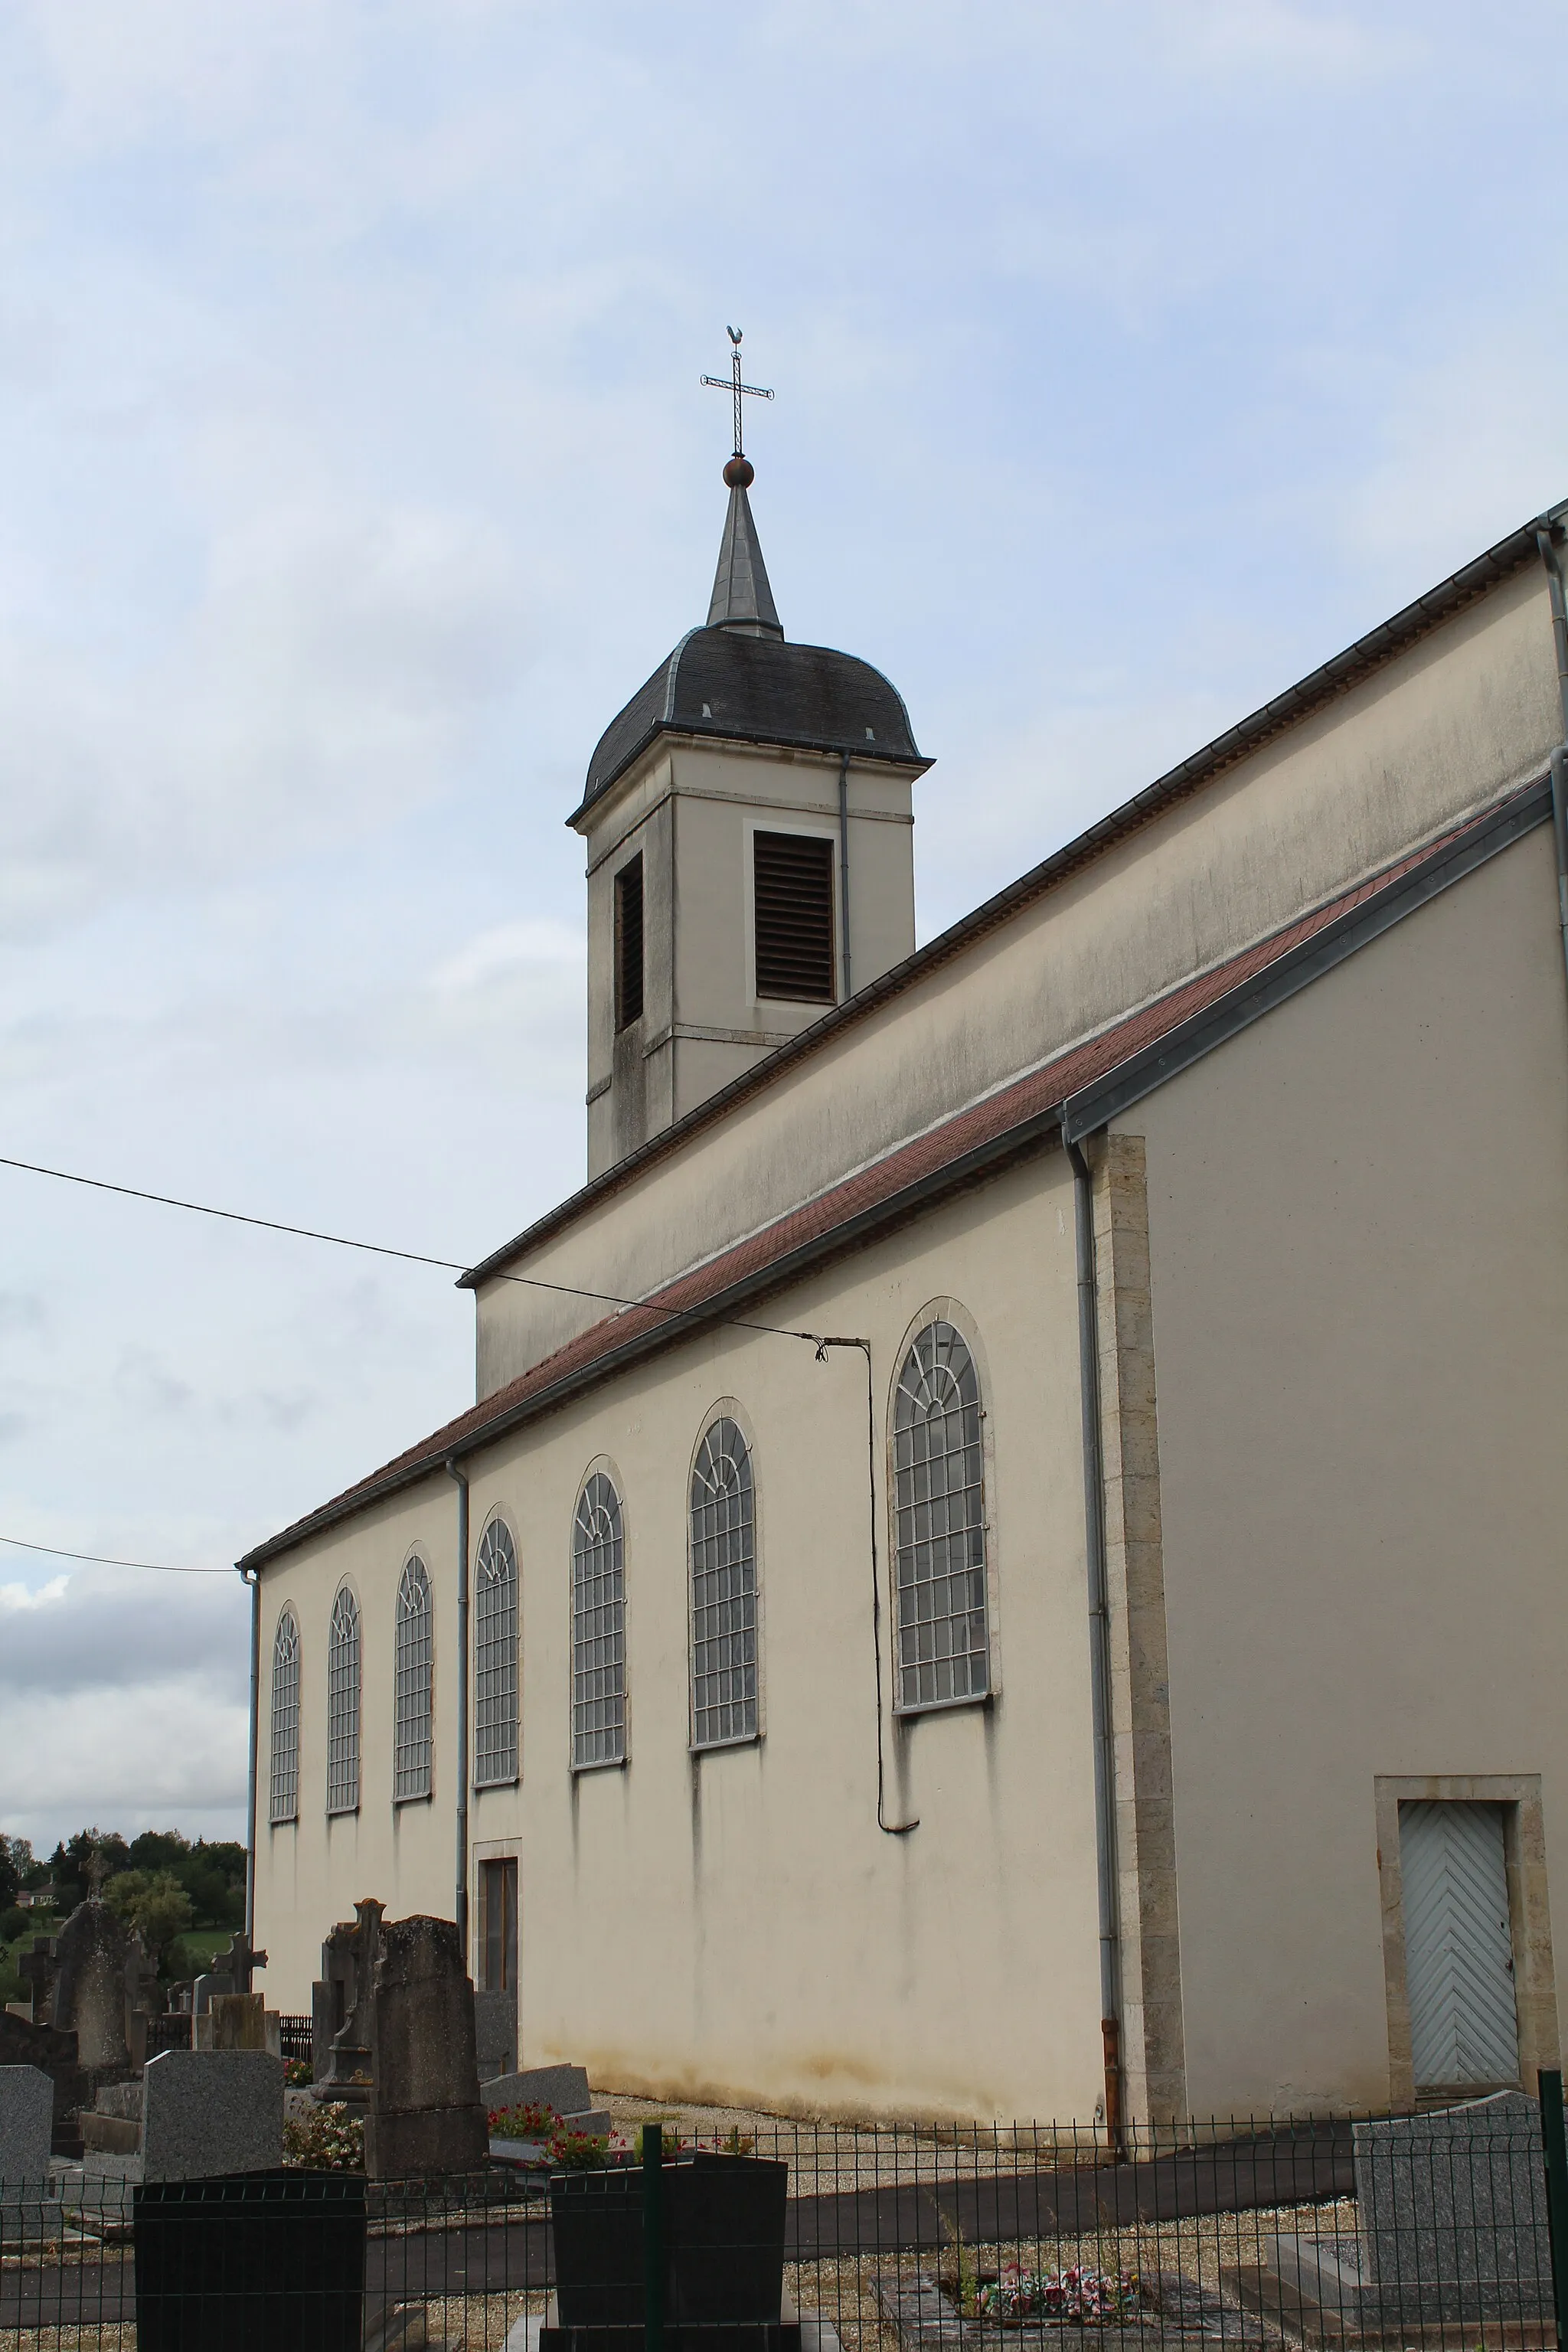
{"x":731,"y":383}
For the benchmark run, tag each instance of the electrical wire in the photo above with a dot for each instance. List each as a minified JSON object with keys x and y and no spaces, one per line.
{"x":101,"y":1560}
{"x":379,"y":1249}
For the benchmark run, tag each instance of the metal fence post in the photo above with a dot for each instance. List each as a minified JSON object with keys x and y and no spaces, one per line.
{"x":653,"y":2234}
{"x":1550,"y":2081}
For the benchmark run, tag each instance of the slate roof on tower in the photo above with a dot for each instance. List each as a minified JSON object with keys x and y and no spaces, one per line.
{"x":739,"y":678}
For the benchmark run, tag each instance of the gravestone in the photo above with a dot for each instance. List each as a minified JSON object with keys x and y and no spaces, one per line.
{"x":211,"y":2111}
{"x":54,"y":2055}
{"x":340,"y":2006}
{"x":1452,"y":2209}
{"x":37,"y":1969}
{"x":27,"y":2125}
{"x":240,"y":2021}
{"x":565,"y":2088}
{"x":100,"y":1966}
{"x":206,"y":1989}
{"x":425,"y":2113}
{"x":495,"y":2033}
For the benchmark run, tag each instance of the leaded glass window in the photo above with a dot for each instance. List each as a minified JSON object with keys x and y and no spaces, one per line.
{"x":411,"y":1685}
{"x":495,"y":1657}
{"x":723,"y":1591}
{"x":285,"y":1756}
{"x":943,"y":1648}
{"x":599,"y":1626}
{"x":342,"y":1705}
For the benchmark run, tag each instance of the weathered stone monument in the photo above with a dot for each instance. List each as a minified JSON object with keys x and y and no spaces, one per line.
{"x":340,"y":2007}
{"x":99,"y":1976}
{"x":240,"y":2021}
{"x":26,"y":2126}
{"x":425,"y":2112}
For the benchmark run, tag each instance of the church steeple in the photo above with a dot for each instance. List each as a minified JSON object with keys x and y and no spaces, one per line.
{"x":747,"y":818}
{"x":741,"y":599}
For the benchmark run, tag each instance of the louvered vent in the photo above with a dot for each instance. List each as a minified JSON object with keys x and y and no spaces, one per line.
{"x":628,"y":944}
{"x":793,"y":905}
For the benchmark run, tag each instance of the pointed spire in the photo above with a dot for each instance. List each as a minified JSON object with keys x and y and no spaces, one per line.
{"x":742,"y":600}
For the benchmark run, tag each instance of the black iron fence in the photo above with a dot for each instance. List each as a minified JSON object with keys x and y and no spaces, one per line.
{"x":1432,"y":2228}
{"x":295,"y":2033}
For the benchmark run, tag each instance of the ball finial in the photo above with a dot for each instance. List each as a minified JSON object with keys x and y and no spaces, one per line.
{"x":740,"y":473}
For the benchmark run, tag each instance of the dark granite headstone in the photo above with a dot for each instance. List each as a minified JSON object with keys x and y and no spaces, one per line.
{"x":424,"y":2117}
{"x":37,"y":1968}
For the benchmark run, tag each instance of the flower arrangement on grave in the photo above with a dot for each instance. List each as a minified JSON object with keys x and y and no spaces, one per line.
{"x":561,"y":2148}
{"x":1078,"y":2294}
{"x":297,"y":2074}
{"x":330,"y":2140}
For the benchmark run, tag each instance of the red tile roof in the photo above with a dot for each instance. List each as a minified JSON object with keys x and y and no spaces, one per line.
{"x":961,"y":1148}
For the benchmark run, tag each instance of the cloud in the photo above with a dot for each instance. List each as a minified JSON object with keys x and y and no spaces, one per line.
{"x":326,"y":677}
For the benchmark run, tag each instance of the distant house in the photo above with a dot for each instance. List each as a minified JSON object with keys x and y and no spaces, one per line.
{"x":37,"y":1899}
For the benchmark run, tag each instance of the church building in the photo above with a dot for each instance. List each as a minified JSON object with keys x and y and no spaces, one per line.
{"x":1009,"y":1555}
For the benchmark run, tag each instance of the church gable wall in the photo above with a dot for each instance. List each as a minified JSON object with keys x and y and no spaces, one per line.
{"x":1358,"y":1228}
{"x":1464,"y":715}
{"x":737,"y":1923}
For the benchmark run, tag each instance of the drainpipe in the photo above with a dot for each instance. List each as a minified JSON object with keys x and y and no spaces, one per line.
{"x":461,"y":1901}
{"x":1544,"y":540}
{"x":844,"y":863}
{"x":252,"y":1578}
{"x":1098,"y":1645}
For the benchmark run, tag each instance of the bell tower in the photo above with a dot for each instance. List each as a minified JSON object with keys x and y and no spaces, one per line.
{"x":749,"y":820}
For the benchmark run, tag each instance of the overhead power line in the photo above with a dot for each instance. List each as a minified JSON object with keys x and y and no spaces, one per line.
{"x":377,"y":1249}
{"x":101,"y":1560}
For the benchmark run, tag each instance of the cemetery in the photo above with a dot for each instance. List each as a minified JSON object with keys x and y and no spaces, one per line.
{"x":164,"y":2184}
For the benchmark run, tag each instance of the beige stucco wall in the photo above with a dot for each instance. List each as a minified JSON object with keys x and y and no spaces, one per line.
{"x":688,"y":808}
{"x":1358,"y":1220}
{"x":738,"y":1924}
{"x":1467,"y":713}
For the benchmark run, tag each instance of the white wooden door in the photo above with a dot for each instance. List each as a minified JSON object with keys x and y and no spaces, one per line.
{"x":1459,"y":1952}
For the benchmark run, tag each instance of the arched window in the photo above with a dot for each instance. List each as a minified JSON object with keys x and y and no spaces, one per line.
{"x":723,"y":1591}
{"x":942,"y":1643}
{"x":285,"y":1774}
{"x":342,"y":1705}
{"x":599,"y":1626}
{"x":495,"y":1657}
{"x":411,"y":1685}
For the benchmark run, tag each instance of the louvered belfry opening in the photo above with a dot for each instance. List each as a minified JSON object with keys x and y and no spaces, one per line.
{"x":628,"y":944}
{"x":792,"y":874}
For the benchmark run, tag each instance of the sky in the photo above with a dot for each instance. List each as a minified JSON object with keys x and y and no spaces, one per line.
{"x":1132,"y":357}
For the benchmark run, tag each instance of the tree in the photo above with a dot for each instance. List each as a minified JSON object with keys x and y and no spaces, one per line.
{"x":153,"y":1903}
{"x":16,"y":1860}
{"x":73,"y":1858}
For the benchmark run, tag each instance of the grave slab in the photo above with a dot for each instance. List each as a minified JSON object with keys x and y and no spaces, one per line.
{"x":565,"y":2088}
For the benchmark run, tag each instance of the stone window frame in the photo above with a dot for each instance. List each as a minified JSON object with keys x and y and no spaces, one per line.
{"x":283,"y":1723}
{"x":951,"y":1311}
{"x":1529,"y":1911}
{"x":413,"y":1687}
{"x":496,"y":1760}
{"x":598,"y":1747}
{"x":726,"y":1410}
{"x":345,"y":1695}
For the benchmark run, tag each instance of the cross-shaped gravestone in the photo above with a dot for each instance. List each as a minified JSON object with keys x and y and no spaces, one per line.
{"x":37,"y":1969}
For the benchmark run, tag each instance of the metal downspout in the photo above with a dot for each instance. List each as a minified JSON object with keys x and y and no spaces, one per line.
{"x":844,"y":865}
{"x":461,"y":1895}
{"x":1098,"y":1643}
{"x":1544,"y":540}
{"x":252,"y":1578}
